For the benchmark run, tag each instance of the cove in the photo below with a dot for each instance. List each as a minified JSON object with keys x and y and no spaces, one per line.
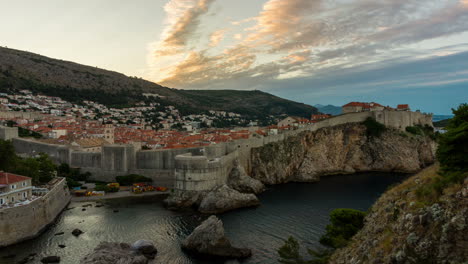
{"x":297,"y":209}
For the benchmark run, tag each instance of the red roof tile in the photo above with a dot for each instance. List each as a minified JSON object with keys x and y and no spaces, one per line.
{"x":8,"y":178}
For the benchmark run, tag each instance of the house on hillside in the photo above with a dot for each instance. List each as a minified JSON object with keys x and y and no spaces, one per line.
{"x":14,"y":188}
{"x":355,"y":107}
{"x":288,"y":121}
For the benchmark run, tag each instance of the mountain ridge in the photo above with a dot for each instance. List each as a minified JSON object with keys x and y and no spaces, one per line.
{"x":76,"y":82}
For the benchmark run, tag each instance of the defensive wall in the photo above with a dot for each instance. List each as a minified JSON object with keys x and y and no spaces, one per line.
{"x":23,"y":115}
{"x":8,"y":133}
{"x":165,"y":165}
{"x":27,"y":221}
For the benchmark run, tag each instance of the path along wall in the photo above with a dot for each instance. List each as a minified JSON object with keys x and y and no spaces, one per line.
{"x":27,"y":221}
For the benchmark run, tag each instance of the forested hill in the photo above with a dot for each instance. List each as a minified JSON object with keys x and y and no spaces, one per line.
{"x":75,"y":82}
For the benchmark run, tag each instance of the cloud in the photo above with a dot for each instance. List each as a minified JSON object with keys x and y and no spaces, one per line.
{"x":183,"y":20}
{"x":296,"y":38}
{"x":216,"y":37}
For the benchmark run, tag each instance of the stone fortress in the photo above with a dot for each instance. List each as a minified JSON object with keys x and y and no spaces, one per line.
{"x":191,"y":169}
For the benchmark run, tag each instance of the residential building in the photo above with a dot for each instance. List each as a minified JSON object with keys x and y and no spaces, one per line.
{"x":14,"y":188}
{"x":354,"y":107}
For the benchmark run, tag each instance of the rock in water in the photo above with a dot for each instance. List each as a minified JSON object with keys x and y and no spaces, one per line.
{"x":240,"y":181}
{"x":225,"y":199}
{"x":183,"y":199}
{"x":120,"y":253}
{"x":146,"y":248}
{"x":51,"y":259}
{"x":76,"y":232}
{"x":208,"y":240}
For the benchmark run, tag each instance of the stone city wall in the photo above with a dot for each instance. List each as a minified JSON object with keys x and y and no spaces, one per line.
{"x":27,"y":221}
{"x":8,"y":133}
{"x":160,"y":165}
{"x":23,"y":115}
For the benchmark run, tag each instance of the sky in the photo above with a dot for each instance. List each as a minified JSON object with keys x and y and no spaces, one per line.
{"x":311,"y":51}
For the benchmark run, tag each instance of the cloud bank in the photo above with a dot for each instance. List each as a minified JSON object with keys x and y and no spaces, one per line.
{"x":297,"y":39}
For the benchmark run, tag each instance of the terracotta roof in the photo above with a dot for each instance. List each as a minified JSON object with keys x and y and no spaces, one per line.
{"x":90,"y":142}
{"x":402,"y":106}
{"x":363,"y":105}
{"x":9,"y":178}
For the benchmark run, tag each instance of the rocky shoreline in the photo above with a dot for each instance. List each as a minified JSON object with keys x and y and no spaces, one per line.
{"x":342,"y":149}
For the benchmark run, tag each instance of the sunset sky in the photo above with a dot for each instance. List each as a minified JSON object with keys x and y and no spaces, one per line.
{"x":312,"y":51}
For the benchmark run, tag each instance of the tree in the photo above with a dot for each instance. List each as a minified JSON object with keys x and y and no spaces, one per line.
{"x":345,"y":223}
{"x":8,"y":157}
{"x":452,"y":152}
{"x":289,"y":252}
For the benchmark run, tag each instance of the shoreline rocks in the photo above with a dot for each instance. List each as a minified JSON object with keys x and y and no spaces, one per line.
{"x":209,"y":241}
{"x":240,"y":181}
{"x":224,"y":199}
{"x":122,"y":253}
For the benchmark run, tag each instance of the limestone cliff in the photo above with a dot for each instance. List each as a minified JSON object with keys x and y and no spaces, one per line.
{"x":400,"y":228}
{"x":338,"y":150}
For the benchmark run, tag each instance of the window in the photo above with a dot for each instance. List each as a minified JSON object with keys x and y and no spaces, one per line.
{"x":13,"y":186}
{"x":24,"y":194}
{"x":12,"y":199}
{"x":24,"y":184}
{"x":2,"y":201}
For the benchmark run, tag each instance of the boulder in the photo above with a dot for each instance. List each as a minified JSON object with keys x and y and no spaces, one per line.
{"x":208,"y":240}
{"x":240,"y":181}
{"x":146,"y":248}
{"x":224,"y":199}
{"x":51,"y":259}
{"x":183,"y":199}
{"x":121,"y":253}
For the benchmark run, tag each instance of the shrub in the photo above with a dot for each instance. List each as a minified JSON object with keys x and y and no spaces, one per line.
{"x":345,"y":223}
{"x":105,"y":188}
{"x":374,"y":128}
{"x":414,"y":130}
{"x":131,"y":179}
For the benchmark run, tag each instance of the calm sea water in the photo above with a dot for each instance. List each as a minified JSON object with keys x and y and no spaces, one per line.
{"x":300,"y":210}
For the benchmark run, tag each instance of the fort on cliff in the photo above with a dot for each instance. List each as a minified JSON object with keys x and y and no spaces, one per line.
{"x":195,"y":169}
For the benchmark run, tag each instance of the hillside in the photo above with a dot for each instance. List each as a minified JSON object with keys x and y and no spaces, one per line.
{"x":329,"y":109}
{"x":75,"y":82}
{"x":402,"y":228}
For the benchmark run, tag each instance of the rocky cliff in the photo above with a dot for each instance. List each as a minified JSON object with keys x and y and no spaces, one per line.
{"x":402,"y":228}
{"x":340,"y":149}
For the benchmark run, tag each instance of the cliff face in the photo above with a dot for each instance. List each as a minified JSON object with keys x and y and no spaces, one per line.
{"x":338,"y":150}
{"x":403,"y":229}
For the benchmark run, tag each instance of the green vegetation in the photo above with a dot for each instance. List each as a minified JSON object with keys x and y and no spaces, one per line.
{"x":345,"y":223}
{"x":128,"y":180}
{"x":73,"y":175}
{"x":452,"y":154}
{"x":40,"y":168}
{"x":103,"y":187}
{"x":22,"y":132}
{"x":374,"y":128}
{"x":442,"y":123}
{"x":420,"y":130}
